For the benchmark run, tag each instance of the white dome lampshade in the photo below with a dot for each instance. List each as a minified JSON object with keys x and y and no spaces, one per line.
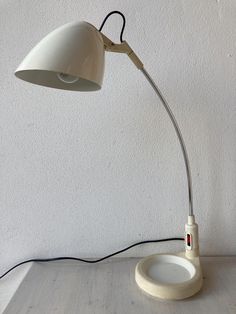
{"x":71,"y":58}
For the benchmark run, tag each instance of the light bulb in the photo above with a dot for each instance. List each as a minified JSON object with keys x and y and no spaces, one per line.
{"x":66,"y":78}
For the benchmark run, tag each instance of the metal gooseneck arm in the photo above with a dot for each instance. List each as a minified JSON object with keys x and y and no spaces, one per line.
{"x":124,"y":47}
{"x":180,"y":137}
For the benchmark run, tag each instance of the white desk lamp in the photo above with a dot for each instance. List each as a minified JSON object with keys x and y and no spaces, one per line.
{"x":72,"y":58}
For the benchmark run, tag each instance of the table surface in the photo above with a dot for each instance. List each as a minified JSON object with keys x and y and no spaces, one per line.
{"x":109,"y":287}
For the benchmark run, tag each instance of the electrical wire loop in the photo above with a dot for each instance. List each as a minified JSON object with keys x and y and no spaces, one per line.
{"x":123,"y":27}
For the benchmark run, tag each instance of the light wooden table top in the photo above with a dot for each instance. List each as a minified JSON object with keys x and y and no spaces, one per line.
{"x":109,"y":287}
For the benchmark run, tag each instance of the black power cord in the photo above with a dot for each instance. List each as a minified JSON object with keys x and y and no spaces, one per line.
{"x":85,"y":260}
{"x":123,"y":27}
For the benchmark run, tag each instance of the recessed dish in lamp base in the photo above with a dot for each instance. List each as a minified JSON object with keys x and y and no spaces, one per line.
{"x":170,"y":277}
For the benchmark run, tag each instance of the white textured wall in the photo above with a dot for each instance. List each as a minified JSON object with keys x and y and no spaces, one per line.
{"x":89,"y":173}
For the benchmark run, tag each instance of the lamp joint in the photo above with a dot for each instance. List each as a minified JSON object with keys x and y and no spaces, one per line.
{"x":123,"y":47}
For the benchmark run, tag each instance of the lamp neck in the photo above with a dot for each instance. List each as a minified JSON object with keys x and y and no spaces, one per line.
{"x":124,"y":47}
{"x":179,"y":135}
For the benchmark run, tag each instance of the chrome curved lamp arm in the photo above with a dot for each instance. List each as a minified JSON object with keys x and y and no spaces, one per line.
{"x":179,"y":135}
{"x":124,"y":47}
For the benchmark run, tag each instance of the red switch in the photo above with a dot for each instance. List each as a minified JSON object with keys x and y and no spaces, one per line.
{"x":188,"y":239}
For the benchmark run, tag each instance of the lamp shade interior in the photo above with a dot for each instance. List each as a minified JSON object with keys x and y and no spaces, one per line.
{"x":71,"y":58}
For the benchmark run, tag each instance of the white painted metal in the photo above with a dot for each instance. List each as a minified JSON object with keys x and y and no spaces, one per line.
{"x":173,"y":276}
{"x":169,"y":276}
{"x":191,"y":229}
{"x":75,"y":49}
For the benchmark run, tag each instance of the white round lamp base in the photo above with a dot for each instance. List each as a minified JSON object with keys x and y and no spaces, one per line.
{"x":172,"y":277}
